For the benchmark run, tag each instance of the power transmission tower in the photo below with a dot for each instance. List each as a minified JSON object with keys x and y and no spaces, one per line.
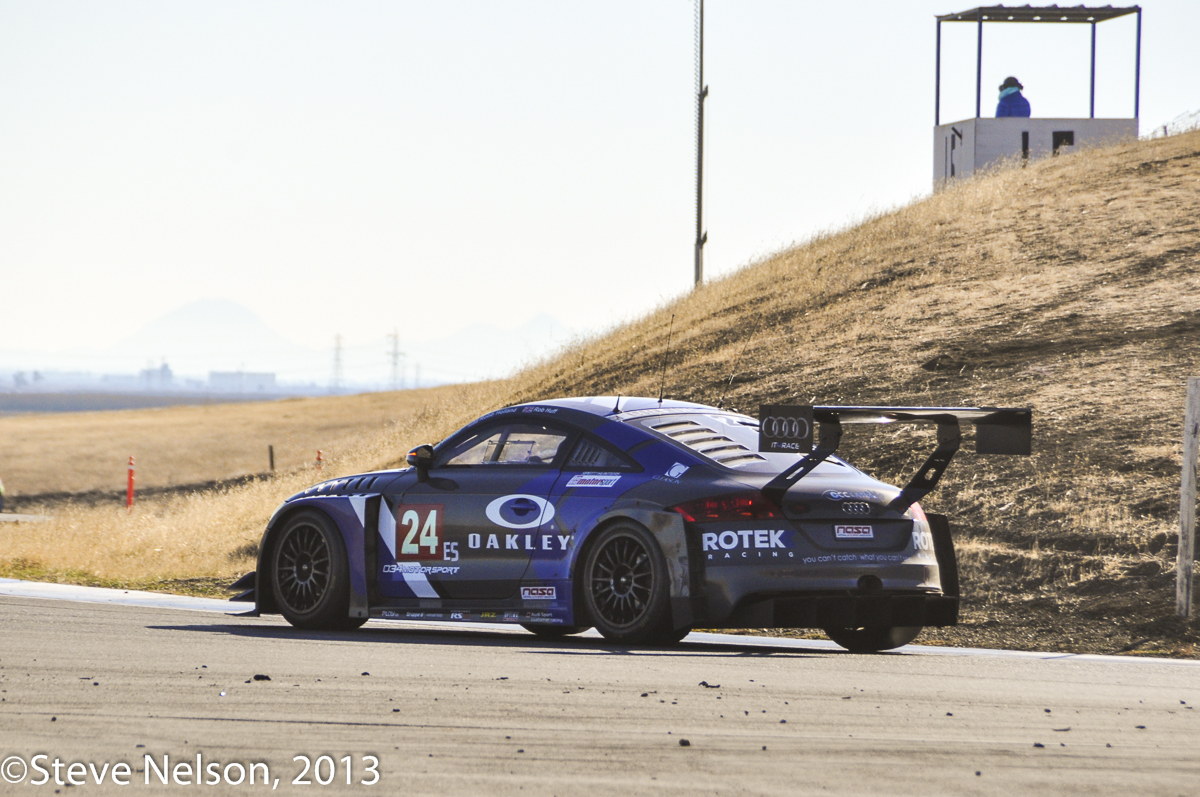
{"x":397,"y":357}
{"x":701,"y":95}
{"x":335,"y":382}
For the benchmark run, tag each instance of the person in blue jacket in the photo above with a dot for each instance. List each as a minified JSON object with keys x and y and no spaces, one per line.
{"x":1012,"y":103}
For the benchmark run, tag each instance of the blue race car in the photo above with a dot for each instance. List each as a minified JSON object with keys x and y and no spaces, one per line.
{"x":639,"y":517}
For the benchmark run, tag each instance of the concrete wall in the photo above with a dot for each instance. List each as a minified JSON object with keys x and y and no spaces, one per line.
{"x":962,"y":148}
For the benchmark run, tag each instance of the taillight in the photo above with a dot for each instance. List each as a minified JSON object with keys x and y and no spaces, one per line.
{"x":739,"y":506}
{"x":918,"y":513}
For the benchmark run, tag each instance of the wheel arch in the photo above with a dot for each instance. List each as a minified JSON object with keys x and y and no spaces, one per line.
{"x":667,"y":529}
{"x":264,"y":598}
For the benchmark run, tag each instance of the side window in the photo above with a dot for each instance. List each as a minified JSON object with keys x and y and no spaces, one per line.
{"x":591,"y":455}
{"x":511,"y":444}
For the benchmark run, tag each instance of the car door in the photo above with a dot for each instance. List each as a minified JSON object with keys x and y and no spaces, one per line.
{"x":468,"y":531}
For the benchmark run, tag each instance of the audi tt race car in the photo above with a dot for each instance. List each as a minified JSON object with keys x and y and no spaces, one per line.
{"x":639,"y":517}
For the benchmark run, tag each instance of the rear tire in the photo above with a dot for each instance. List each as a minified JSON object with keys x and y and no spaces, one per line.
{"x":310,"y":574}
{"x":873,"y":639}
{"x":554,"y":631}
{"x":625,"y":586}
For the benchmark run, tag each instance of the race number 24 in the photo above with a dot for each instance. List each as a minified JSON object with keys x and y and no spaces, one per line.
{"x":420,"y":532}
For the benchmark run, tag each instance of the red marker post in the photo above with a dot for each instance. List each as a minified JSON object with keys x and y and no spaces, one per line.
{"x":129,"y":488}
{"x":320,"y":460}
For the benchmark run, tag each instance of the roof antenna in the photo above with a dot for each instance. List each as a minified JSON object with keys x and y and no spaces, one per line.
{"x":666,"y":358}
{"x":736,"y":362}
{"x":617,"y":409}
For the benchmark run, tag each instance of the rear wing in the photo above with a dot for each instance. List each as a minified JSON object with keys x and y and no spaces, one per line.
{"x":789,"y":428}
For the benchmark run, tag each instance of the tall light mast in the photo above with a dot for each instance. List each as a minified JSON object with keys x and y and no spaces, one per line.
{"x":701,"y":94}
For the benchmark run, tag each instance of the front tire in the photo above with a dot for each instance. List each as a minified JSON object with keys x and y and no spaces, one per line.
{"x":873,"y":639}
{"x":625,"y":586}
{"x":310,"y":574}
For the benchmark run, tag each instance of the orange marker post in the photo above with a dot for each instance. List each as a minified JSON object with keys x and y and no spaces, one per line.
{"x":129,"y":488}
{"x":320,"y":460}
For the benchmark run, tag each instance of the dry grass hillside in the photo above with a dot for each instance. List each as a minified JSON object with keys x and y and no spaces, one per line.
{"x":1071,"y":286}
{"x":84,"y":455}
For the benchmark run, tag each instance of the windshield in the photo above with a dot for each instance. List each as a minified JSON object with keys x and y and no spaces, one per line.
{"x":727,"y":439}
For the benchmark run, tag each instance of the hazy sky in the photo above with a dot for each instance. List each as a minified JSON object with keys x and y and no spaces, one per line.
{"x":351,"y":167}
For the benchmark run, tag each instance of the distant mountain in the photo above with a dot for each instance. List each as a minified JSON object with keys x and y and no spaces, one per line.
{"x":482,"y":351}
{"x":215,"y":335}
{"x":221,"y":335}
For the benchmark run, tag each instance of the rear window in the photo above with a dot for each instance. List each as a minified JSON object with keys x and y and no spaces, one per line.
{"x":726,"y":439}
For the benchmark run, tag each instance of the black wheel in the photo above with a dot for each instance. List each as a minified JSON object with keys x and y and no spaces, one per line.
{"x":625,"y":586}
{"x":554,"y":631}
{"x":873,"y":639}
{"x":310,"y":576}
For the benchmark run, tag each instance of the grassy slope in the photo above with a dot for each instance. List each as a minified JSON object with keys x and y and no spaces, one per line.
{"x":86,"y":452}
{"x":1069,"y":286}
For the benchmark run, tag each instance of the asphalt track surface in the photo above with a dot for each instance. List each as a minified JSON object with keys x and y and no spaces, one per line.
{"x":99,"y":677}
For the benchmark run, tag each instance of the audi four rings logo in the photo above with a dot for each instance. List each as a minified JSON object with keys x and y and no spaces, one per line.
{"x":856,"y":508}
{"x":777,"y":428}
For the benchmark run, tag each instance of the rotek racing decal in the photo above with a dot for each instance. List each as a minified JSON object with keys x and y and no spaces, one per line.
{"x":747,"y":544}
{"x":922,"y":540}
{"x":538,"y":593}
{"x":520,"y":511}
{"x":594,"y":480}
{"x":854,"y":532}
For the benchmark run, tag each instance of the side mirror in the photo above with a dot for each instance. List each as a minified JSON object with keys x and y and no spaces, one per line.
{"x":421,"y":458}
